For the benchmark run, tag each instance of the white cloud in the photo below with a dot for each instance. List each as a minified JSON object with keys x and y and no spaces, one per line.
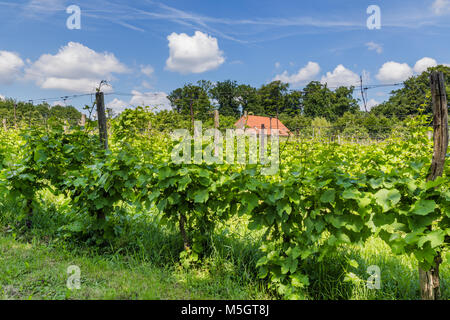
{"x":341,"y":77}
{"x":277,"y":65}
{"x":303,"y":75}
{"x":44,"y":6}
{"x":118,"y":105}
{"x":366,"y":76}
{"x":146,"y":85}
{"x":423,"y":64}
{"x":147,"y":70}
{"x":74,"y":68}
{"x":393,"y":72}
{"x":151,"y":99}
{"x":441,"y":6}
{"x":372,"y":103}
{"x":59,"y":103}
{"x":195,"y":54}
{"x":2,"y":97}
{"x":158,"y":100}
{"x":375,"y":47}
{"x":10,"y":67}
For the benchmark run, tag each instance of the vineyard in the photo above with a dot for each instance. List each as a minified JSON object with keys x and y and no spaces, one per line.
{"x":325,"y":196}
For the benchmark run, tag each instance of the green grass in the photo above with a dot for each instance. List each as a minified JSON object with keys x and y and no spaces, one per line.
{"x":142,"y":262}
{"x":38,"y":271}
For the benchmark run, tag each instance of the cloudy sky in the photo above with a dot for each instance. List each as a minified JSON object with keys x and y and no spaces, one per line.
{"x":147,"y":48}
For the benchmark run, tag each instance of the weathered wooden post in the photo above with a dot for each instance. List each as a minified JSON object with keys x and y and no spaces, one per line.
{"x":429,"y":279}
{"x":101,"y":116}
{"x":83,"y":120}
{"x":262,"y":146}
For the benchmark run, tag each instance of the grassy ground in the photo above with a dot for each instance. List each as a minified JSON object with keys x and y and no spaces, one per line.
{"x":36,"y":271}
{"x":142,"y":263}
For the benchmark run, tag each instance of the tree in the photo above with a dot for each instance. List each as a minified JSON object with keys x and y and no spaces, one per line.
{"x":297,"y":122}
{"x":248,"y":99}
{"x":226,"y":94}
{"x":182,"y":99}
{"x":37,"y":114}
{"x":272,"y":98}
{"x":415,"y":95}
{"x":320,"y":101}
{"x":317,"y":100}
{"x":293,"y":103}
{"x":342,"y":102}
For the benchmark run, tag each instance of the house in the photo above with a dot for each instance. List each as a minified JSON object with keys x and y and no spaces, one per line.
{"x":258,"y":123}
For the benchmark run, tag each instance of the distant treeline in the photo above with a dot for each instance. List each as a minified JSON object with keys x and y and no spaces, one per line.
{"x":29,"y":114}
{"x":315,"y":105}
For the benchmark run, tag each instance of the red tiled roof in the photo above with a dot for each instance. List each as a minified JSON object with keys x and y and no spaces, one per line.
{"x":256,"y":122}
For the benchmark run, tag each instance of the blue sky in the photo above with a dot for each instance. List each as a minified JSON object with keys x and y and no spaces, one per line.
{"x":145,"y":49}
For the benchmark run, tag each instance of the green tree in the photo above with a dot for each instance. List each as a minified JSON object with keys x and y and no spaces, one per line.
{"x":249,"y":99}
{"x":317,"y":100}
{"x":293,"y":103}
{"x":182,"y":99}
{"x":272,"y":98}
{"x":415,"y":95}
{"x":342,"y":102}
{"x":226,"y":94}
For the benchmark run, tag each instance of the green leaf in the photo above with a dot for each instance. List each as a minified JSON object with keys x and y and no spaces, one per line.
{"x":262,"y":261}
{"x":351,"y":194}
{"x":299,"y":280}
{"x":436,"y":238}
{"x":328,"y":196}
{"x":424,"y":207}
{"x":283,"y":206}
{"x":387,"y":199}
{"x":183,"y":183}
{"x":353,"y":263}
{"x":201,"y":196}
{"x":376,"y":183}
{"x":250,"y":200}
{"x":40,"y":156}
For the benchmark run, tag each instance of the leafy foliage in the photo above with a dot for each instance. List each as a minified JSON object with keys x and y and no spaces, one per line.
{"x":323,"y":196}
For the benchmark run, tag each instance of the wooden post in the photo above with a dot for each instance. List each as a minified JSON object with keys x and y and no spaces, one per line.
{"x":83,"y":120}
{"x":5,"y":127}
{"x":429,"y":280}
{"x":101,"y":117}
{"x":216,"y":133}
{"x":262,"y":146}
